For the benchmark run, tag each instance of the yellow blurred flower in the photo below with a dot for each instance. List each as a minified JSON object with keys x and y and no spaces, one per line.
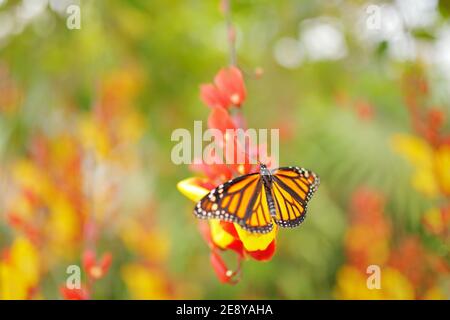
{"x":144,"y":283}
{"x":20,"y":271}
{"x":152,"y":245}
{"x":13,"y":285}
{"x":442,"y":168}
{"x":94,"y":137}
{"x":432,"y":166}
{"x":131,"y":127}
{"x":352,"y":284}
{"x":437,"y":220}
{"x":63,"y":227}
{"x":394,"y":285}
{"x":32,"y":178}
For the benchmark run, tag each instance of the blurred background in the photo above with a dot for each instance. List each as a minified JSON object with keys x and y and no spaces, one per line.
{"x":359,"y":89}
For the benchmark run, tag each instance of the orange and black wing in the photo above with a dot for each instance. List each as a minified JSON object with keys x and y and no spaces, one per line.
{"x":292,"y":188}
{"x":241,"y":200}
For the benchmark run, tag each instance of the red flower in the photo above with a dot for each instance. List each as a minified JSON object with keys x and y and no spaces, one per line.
{"x":237,"y":151}
{"x":228,"y":89}
{"x":74,"y":294}
{"x":220,"y":119}
{"x":96,"y":269}
{"x":263,"y":255}
{"x":212,"y":96}
{"x":364,"y":110}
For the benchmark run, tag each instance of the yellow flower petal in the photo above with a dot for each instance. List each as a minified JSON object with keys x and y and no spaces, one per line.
{"x":220,"y":237}
{"x":256,"y":241}
{"x":191,"y":188}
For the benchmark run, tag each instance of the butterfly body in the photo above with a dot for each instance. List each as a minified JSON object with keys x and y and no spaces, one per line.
{"x":257,"y":200}
{"x":266,"y":177}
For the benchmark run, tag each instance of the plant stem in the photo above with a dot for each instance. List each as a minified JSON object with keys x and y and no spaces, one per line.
{"x":231,"y":34}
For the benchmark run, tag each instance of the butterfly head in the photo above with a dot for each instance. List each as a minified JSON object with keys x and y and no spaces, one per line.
{"x":263,"y":170}
{"x":265,"y":174}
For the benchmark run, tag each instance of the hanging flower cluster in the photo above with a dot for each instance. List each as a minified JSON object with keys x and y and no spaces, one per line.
{"x":228,"y":91}
{"x":428,"y":151}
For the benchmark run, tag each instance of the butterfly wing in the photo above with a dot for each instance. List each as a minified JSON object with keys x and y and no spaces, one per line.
{"x":292,"y":188}
{"x":241,"y":200}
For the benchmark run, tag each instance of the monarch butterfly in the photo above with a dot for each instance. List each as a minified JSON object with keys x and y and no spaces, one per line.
{"x":255,"y":200}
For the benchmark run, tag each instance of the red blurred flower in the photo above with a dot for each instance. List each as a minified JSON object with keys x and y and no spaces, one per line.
{"x":409,"y":258}
{"x":367,"y":239}
{"x":96,"y":269}
{"x":364,"y":110}
{"x":74,"y":294}
{"x":21,"y":224}
{"x":367,"y":207}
